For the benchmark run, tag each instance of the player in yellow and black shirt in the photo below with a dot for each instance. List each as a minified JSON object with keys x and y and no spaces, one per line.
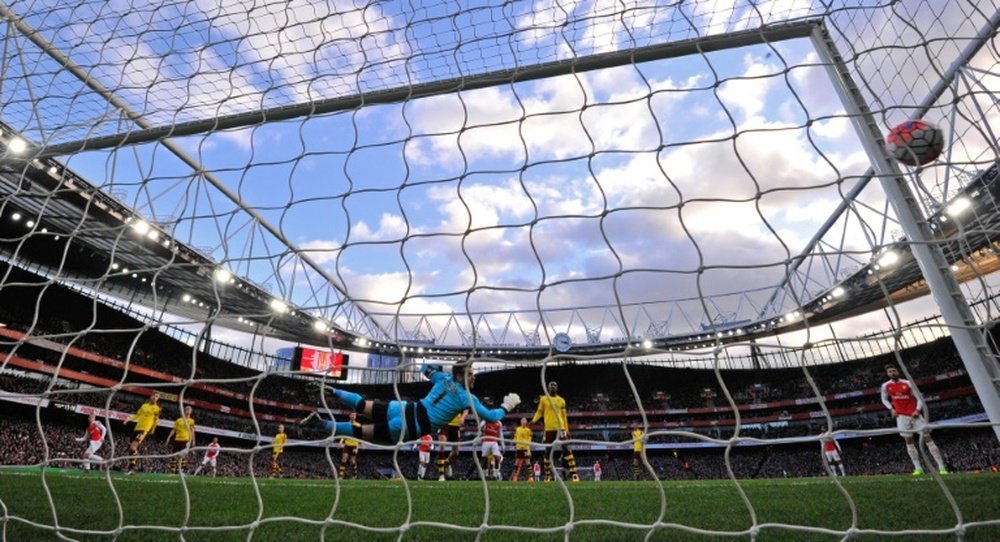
{"x":350,"y":452}
{"x":145,"y":420}
{"x":183,"y":438}
{"x":279,"y":447}
{"x":638,"y":445}
{"x":522,"y":450}
{"x":447,"y":453}
{"x":552,"y":408}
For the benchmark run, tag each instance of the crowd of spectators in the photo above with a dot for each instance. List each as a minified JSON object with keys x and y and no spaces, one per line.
{"x":602,"y":401}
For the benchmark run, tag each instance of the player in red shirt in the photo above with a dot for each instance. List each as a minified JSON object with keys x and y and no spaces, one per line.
{"x":424,"y":446}
{"x":492,"y":433}
{"x":901,"y":398}
{"x":831,"y":453}
{"x":597,"y":471}
{"x":95,"y":439}
{"x":211,"y":457}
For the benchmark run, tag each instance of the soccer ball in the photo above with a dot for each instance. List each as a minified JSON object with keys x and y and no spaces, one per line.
{"x":915,"y":142}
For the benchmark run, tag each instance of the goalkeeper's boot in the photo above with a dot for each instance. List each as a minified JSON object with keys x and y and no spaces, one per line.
{"x":942,"y":471}
{"x":575,"y":478}
{"x":918,"y":472}
{"x":312,"y":420}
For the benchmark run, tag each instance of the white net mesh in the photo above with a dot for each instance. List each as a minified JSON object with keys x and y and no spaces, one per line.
{"x":682,"y":212}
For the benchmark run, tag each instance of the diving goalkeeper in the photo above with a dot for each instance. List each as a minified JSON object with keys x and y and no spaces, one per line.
{"x":448,"y":397}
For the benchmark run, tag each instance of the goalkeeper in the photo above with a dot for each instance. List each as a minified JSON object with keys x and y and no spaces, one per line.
{"x":448,"y":397}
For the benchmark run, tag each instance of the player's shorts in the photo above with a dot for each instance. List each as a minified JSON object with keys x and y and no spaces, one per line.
{"x":178,"y":445}
{"x":833,"y":456}
{"x":93,"y":447}
{"x":450,"y":433}
{"x":275,"y":455}
{"x":425,"y":457}
{"x":491,"y":448}
{"x":140,"y":436}
{"x":351,"y":451}
{"x":908,"y":425}
{"x":210,"y":461}
{"x":522,"y":454}
{"x":550,"y":437}
{"x":637,"y":456}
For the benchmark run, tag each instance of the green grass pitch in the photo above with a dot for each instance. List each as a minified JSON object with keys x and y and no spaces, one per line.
{"x":154,"y":506}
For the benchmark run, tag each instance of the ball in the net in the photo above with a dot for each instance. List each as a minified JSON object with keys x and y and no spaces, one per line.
{"x":915,"y":142}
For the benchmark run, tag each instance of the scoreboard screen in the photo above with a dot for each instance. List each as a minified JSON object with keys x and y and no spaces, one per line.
{"x":310,"y":360}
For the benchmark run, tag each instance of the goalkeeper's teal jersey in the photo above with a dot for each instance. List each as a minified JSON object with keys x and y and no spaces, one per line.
{"x":448,"y":398}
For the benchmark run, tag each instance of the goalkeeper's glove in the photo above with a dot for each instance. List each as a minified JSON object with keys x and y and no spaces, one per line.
{"x":430,"y":368}
{"x":510,"y":401}
{"x":315,"y":386}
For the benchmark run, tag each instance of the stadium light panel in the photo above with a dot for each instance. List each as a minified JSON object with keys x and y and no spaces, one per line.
{"x":279,"y":306}
{"x":958,"y":206}
{"x":838,"y":291}
{"x":888,"y":259}
{"x":140,"y":226}
{"x":17,"y":145}
{"x":223,"y":276}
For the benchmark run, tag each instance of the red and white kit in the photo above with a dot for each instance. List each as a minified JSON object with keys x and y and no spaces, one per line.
{"x":211,"y":454}
{"x":831,"y":448}
{"x":491,"y":438}
{"x":95,"y":434}
{"x":424,"y":448}
{"x":898,"y":396}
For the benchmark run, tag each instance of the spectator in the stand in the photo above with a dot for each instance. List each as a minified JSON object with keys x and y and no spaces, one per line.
{"x":145,"y":420}
{"x":552,"y":408}
{"x":183,"y":438}
{"x":902,"y":399}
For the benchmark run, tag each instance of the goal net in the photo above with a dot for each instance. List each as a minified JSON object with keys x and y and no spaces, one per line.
{"x":683,"y":214}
